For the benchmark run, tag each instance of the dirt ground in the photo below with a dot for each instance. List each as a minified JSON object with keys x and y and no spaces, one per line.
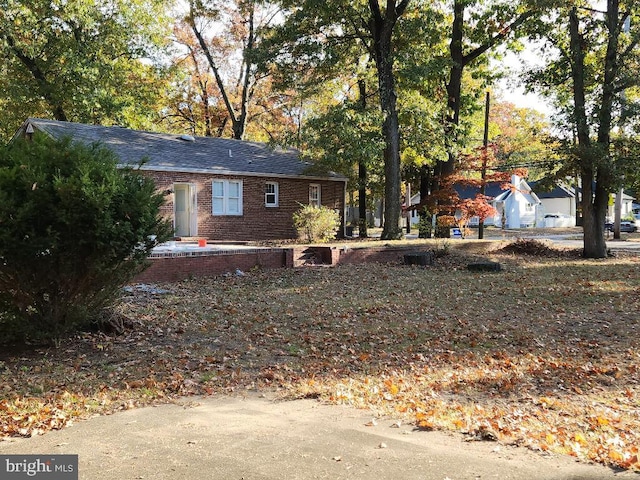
{"x":565,"y":381}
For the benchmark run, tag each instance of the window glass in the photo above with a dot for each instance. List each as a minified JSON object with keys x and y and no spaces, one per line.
{"x":271,"y":194}
{"x":314,"y":195}
{"x":218,"y":206}
{"x":234,"y":189}
{"x":218,"y":189}
{"x":226,"y":197}
{"x":233,"y":206}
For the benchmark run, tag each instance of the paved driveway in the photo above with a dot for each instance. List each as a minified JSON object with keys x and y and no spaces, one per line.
{"x":258,"y":438}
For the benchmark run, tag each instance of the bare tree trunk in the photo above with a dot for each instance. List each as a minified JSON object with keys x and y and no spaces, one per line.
{"x":362,"y":173}
{"x":595,"y":161}
{"x":381,"y":28}
{"x":238,"y":120}
{"x":454,"y":88}
{"x":591,"y":244}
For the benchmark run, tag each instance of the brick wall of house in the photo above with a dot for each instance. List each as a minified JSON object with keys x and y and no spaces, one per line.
{"x":258,"y":222}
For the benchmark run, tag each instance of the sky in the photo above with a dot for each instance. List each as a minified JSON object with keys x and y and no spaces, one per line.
{"x":511,"y":90}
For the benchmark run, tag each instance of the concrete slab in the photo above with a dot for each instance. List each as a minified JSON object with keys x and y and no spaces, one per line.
{"x":258,"y":438}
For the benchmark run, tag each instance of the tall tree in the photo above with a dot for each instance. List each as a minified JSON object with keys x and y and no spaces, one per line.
{"x":593,"y":65}
{"x":596,"y":158}
{"x":354,"y":149}
{"x":476,"y":28}
{"x":323,"y":35}
{"x":381,"y":26}
{"x":224,"y":37}
{"x":192,"y":104}
{"x":77,"y":60}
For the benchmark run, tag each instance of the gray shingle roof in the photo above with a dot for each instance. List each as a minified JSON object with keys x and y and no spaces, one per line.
{"x":167,"y":152}
{"x":558,"y":191}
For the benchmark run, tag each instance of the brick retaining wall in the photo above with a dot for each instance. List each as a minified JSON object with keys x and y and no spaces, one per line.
{"x":176,"y":267}
{"x":373,"y":254}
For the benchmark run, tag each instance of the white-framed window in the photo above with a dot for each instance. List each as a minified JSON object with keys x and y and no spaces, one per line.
{"x":314,"y":194}
{"x":226,"y":197}
{"x":271,"y":194}
{"x":529,"y":207}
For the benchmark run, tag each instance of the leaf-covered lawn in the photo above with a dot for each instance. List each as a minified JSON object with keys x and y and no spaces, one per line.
{"x":544,"y":354}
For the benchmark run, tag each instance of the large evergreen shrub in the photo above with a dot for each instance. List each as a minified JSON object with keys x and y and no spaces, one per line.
{"x":73,"y":230}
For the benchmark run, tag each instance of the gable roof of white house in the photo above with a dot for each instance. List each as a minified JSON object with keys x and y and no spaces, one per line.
{"x":184,"y":153}
{"x":520,"y":186}
{"x":564,"y":191}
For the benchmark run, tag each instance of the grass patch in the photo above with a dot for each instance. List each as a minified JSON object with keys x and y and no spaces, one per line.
{"x":543,"y":354}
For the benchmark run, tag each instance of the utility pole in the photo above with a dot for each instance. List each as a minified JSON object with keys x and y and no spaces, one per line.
{"x":485,"y":145}
{"x":617,"y":214}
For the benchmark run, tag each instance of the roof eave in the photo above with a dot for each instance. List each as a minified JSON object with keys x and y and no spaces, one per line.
{"x":239,"y":173}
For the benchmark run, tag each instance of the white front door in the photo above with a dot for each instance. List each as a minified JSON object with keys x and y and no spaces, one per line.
{"x":185,"y":210}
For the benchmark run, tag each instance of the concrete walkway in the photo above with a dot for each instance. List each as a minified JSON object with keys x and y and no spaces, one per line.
{"x":258,"y":438}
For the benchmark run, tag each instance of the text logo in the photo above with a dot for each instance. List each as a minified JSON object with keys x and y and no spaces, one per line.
{"x":50,"y":467}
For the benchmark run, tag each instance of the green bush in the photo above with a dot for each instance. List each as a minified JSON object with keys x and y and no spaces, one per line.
{"x":425,"y":226}
{"x":73,"y":230}
{"x":316,"y":224}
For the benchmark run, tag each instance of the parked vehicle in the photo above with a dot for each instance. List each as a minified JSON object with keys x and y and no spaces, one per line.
{"x":628,"y":226}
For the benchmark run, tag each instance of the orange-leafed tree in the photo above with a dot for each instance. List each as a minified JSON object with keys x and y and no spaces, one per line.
{"x":223,"y":92}
{"x":476,"y":171}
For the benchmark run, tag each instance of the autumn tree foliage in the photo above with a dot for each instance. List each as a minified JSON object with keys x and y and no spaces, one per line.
{"x":80,"y":61}
{"x":522,"y":136}
{"x":223,"y":92}
{"x":477,"y":170}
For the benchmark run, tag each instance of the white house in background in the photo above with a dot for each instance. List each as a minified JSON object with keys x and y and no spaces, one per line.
{"x":517,"y":206}
{"x":627,"y":206}
{"x":561,"y":201}
{"x":559,"y":205}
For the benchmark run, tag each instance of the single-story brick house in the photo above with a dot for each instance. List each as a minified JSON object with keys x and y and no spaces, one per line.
{"x":219,"y":189}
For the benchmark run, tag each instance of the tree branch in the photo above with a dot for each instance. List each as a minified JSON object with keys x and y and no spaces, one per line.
{"x":402,"y":6}
{"x":212,"y":64}
{"x":497,"y":38}
{"x":374,"y":6}
{"x":39,"y":76}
